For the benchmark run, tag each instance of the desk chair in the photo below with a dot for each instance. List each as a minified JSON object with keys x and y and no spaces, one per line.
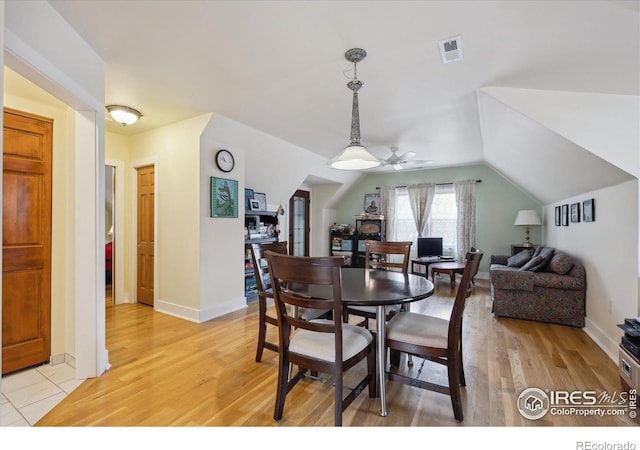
{"x":326,"y":346}
{"x":436,"y":339}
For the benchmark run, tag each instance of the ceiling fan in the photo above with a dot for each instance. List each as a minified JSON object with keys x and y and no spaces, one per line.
{"x":400,"y":161}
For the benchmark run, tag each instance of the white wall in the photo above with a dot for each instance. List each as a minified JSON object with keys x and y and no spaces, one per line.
{"x":608,"y":249}
{"x":175,"y":151}
{"x":42,"y":47}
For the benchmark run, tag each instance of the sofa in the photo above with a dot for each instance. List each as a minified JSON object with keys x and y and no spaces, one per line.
{"x":541,"y":284}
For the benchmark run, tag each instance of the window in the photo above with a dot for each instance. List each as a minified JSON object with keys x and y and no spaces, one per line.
{"x":442,"y":220}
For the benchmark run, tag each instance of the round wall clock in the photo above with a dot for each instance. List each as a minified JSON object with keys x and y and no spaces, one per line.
{"x":224,"y":160}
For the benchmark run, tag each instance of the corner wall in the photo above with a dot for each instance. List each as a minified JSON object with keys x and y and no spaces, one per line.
{"x":608,"y":247}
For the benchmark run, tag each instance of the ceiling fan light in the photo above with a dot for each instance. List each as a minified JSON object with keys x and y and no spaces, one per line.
{"x":123,"y":114}
{"x":355,"y":157}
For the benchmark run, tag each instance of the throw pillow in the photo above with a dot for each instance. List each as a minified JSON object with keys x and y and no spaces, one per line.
{"x":519,"y":259}
{"x":533,"y":262}
{"x":560,"y":263}
{"x":546,"y":253}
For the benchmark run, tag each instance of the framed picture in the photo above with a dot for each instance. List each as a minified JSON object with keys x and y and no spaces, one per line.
{"x":565,"y":215}
{"x":575,"y":212}
{"x":372,"y":204}
{"x":254,"y":205}
{"x":557,"y":216}
{"x":248,"y":195}
{"x":224,"y":197}
{"x":262,"y":200}
{"x":589,"y":210}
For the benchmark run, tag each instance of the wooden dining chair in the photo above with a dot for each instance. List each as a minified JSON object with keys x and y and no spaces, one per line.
{"x":263,"y":283}
{"x":383,"y":255}
{"x":324,"y":346}
{"x":265,"y":296}
{"x":435,"y":339}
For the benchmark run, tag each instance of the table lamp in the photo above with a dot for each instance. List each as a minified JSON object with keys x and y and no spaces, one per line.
{"x":527,"y":218}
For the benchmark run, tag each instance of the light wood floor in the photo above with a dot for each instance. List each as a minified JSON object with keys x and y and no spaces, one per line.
{"x":171,"y":372}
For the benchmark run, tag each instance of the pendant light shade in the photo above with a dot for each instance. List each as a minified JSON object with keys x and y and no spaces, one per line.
{"x":355,"y":156}
{"x":123,"y":114}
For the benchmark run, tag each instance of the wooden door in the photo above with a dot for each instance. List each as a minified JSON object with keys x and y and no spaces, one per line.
{"x":146,"y":176}
{"x":26,"y":240}
{"x":299,"y":228}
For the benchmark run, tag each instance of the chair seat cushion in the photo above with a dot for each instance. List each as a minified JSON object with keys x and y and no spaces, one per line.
{"x":418,"y":329}
{"x":322,"y":345}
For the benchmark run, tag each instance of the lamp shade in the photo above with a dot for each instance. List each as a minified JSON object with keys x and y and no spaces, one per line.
{"x":355,"y":157}
{"x":528,"y":217}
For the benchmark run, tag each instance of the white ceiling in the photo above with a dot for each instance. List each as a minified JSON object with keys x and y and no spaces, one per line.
{"x":278,"y":66}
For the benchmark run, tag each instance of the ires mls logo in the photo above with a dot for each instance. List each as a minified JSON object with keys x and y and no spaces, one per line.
{"x":534,"y":403}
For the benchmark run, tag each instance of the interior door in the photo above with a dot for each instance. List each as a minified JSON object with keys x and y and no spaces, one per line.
{"x":299,"y":228}
{"x":26,"y":240}
{"x":146,"y":232}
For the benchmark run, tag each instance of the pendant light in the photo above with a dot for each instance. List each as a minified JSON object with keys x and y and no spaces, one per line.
{"x":355,"y":156}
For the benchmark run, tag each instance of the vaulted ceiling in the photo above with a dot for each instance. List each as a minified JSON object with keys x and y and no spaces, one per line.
{"x":279,"y":66}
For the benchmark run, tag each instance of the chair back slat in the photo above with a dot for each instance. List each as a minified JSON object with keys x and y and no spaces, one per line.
{"x":260,"y":267}
{"x":384,"y":250}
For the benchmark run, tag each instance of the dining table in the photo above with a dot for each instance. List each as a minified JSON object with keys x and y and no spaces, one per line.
{"x":380,"y":288}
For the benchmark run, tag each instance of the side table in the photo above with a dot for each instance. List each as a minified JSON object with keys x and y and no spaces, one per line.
{"x":451,"y":268}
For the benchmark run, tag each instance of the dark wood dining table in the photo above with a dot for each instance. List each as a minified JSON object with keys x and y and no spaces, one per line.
{"x":380,"y":288}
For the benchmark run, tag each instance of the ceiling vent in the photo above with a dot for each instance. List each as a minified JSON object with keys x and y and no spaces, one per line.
{"x":451,"y":49}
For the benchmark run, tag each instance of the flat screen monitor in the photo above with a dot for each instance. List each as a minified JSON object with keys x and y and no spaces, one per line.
{"x":429,"y":246}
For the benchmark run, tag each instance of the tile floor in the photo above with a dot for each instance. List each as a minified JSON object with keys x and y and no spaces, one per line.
{"x":29,"y":394}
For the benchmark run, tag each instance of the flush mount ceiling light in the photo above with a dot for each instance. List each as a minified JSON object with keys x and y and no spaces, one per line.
{"x":355,"y":156}
{"x":123,"y":114}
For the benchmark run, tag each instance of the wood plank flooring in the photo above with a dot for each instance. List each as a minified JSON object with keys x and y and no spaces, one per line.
{"x":171,"y":372}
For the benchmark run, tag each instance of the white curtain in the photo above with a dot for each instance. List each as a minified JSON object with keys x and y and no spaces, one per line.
{"x":466,"y":221}
{"x":421,"y":199}
{"x":388,"y":206}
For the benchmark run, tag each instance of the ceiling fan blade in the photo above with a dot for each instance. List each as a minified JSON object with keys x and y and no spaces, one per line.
{"x":406,"y":155}
{"x":397,"y":166}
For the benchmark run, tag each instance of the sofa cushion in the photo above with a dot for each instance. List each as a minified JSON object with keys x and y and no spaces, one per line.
{"x":532,"y":264}
{"x":546,"y":253}
{"x":519,"y":259}
{"x":560,"y":263}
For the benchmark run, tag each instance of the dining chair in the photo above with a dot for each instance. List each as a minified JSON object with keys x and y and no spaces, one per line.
{"x":383,"y":255}
{"x":265,"y":295}
{"x":320,"y":345}
{"x":435,"y":339}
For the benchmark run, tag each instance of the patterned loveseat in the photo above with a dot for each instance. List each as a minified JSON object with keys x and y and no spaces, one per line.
{"x":540,"y":284}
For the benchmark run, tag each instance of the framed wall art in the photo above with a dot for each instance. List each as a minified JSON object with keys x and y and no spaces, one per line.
{"x":372,"y":204}
{"x":224,"y":197}
{"x":589,"y":210}
{"x":262,"y":200}
{"x":565,"y":215}
{"x":248,"y":195}
{"x":575,"y":212}
{"x":558,"y":213}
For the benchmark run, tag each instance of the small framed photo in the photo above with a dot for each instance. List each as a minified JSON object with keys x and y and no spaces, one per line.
{"x":575,"y":212}
{"x":261,"y":198}
{"x":254,"y":205}
{"x":558,"y":216}
{"x":372,"y":204}
{"x":589,"y":210}
{"x":565,"y":215}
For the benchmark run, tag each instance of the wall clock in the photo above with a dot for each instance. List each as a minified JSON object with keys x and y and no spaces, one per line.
{"x":224,"y":160}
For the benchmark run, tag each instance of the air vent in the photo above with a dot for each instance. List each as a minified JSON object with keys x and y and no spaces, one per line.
{"x":451,"y":49}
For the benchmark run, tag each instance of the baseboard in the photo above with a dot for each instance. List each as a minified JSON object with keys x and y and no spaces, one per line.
{"x":199,"y":316}
{"x":62,"y":358}
{"x":603,"y":341}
